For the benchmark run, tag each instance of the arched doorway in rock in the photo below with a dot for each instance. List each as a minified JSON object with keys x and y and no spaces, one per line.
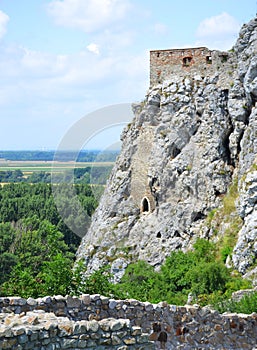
{"x":145,"y":205}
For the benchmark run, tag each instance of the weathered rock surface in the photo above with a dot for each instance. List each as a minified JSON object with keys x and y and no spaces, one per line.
{"x":191,"y":136}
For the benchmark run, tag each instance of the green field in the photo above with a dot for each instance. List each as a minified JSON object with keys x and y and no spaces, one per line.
{"x":48,"y":166}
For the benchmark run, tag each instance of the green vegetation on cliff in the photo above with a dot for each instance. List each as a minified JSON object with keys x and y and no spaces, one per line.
{"x":199,"y":272}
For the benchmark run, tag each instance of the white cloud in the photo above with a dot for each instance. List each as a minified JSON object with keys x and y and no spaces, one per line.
{"x":218,"y":26}
{"x":81,"y":80}
{"x":56,"y":89}
{"x":219,"y":32}
{"x":93,"y":48}
{"x":88,"y":15}
{"x":4,"y":19}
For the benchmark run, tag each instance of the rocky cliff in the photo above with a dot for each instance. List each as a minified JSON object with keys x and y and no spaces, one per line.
{"x":192,"y":140}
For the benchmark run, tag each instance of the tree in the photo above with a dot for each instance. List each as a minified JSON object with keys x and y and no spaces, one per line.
{"x":207,"y":277}
{"x":21,"y":283}
{"x":139,"y":282}
{"x":7,"y":263}
{"x":99,"y":282}
{"x":56,"y":275}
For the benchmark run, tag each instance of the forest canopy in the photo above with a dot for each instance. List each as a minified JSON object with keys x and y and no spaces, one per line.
{"x":37,"y":249}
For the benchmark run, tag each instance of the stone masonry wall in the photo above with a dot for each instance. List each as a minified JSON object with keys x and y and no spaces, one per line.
{"x":98,"y":322}
{"x":140,"y":163}
{"x":201,"y":60}
{"x":38,"y":330}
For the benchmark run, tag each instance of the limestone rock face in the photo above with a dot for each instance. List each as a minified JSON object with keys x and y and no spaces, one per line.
{"x":190,"y":137}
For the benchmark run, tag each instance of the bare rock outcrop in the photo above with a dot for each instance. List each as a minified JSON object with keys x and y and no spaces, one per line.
{"x":190,"y":137}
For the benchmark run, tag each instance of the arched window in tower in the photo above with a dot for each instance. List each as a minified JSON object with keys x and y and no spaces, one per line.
{"x":145,"y":205}
{"x":187,"y":61}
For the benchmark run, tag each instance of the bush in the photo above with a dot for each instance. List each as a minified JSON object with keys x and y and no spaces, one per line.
{"x":97,"y":283}
{"x":207,"y":278}
{"x":246,"y":305}
{"x":225,"y":252}
{"x":139,"y":282}
{"x":204,"y":250}
{"x":174,"y":272}
{"x":198,"y":272}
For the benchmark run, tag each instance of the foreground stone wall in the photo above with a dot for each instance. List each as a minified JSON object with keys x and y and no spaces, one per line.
{"x":45,"y":331}
{"x":98,"y":322}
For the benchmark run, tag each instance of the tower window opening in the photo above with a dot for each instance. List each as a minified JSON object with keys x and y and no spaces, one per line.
{"x":224,"y":58}
{"x":209,"y":59}
{"x":187,"y":61}
{"x":145,"y":206}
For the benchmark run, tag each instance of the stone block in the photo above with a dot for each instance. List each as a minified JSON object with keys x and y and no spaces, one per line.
{"x":31,"y":302}
{"x":7,"y":343}
{"x":104,"y":300}
{"x":65,"y":329}
{"x":105,"y":324}
{"x":68,"y":343}
{"x":92,"y":326}
{"x":19,"y":330}
{"x":116,"y":325}
{"x":115,"y":340}
{"x":82,"y":344}
{"x":112,"y":304}
{"x":33,"y":336}
{"x":129,"y":341}
{"x":80,"y":328}
{"x":144,"y":338}
{"x":73,"y":302}
{"x":136,"y":331}
{"x":45,"y":341}
{"x":85,"y":298}
{"x":44,"y":334}
{"x":218,"y":327}
{"x":22,"y":339}
{"x":105,"y":341}
{"x":95,"y":297}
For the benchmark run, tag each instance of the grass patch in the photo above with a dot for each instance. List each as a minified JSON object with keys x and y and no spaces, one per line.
{"x":229,"y":239}
{"x":226,"y":216}
{"x":229,"y":200}
{"x":31,"y":166}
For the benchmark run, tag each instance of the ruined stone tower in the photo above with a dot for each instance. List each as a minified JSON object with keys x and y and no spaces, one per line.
{"x":187,"y":61}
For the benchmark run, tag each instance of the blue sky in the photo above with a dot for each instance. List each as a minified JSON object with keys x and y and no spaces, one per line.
{"x":61,"y":60}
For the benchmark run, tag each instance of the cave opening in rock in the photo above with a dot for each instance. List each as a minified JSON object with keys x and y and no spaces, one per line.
{"x":145,"y":206}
